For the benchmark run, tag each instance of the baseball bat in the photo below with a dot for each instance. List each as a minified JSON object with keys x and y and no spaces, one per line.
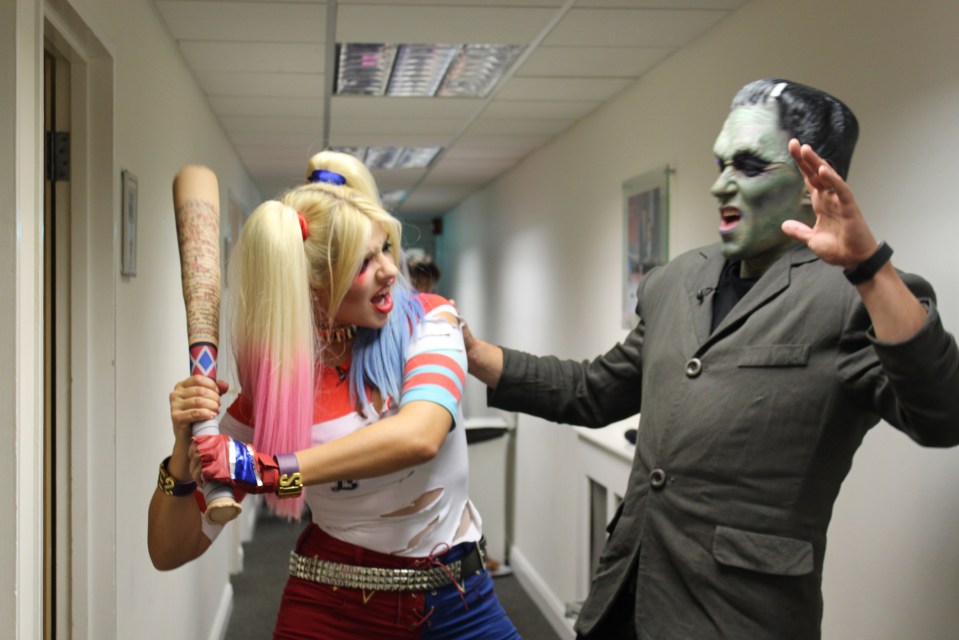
{"x":196,"y":198}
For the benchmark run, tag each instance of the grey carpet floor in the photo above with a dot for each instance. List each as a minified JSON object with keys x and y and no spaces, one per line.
{"x":257,"y":590}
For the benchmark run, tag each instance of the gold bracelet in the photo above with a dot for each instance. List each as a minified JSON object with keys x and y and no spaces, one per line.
{"x":171,"y":486}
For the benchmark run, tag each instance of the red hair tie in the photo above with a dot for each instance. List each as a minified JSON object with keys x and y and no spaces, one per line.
{"x":305,"y":229}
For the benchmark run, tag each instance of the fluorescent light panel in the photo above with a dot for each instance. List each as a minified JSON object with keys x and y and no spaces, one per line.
{"x":446,"y":70}
{"x":419,"y":69}
{"x":364,"y":69}
{"x":393,"y":157}
{"x":477,"y":69}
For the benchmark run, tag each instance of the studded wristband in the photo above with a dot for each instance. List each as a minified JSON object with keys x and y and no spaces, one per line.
{"x":866,"y":269}
{"x":171,"y":486}
{"x":291,"y":482}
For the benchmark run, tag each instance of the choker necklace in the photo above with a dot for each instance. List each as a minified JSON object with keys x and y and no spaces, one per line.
{"x":334,"y":335}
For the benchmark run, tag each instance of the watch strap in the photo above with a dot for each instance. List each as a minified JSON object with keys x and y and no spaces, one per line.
{"x":866,"y":269}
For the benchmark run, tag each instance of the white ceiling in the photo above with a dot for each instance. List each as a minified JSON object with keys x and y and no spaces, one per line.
{"x":263,"y":66}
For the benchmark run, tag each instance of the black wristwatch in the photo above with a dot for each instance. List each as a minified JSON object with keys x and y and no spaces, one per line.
{"x":866,"y":269}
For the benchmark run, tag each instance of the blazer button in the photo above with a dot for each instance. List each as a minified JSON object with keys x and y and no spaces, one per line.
{"x":694,"y":367}
{"x":657,"y":478}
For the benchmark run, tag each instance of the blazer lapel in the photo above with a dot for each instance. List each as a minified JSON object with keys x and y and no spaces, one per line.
{"x":771,"y":284}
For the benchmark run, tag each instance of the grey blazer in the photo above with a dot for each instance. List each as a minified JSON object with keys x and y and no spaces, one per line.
{"x":746,"y":434}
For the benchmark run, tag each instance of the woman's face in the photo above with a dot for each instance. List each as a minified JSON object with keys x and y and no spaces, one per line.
{"x":368,"y":302}
{"x":759,"y":185}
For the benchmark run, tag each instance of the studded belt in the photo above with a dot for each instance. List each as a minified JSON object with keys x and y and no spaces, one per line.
{"x":350,"y":576}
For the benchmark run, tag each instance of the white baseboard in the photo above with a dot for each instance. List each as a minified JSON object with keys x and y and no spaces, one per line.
{"x":543,"y":597}
{"x":221,"y":622}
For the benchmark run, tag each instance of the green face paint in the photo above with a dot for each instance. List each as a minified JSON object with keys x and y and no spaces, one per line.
{"x":758,"y":187}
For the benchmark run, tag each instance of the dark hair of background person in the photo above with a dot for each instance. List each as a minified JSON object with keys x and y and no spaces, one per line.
{"x":424,"y":274}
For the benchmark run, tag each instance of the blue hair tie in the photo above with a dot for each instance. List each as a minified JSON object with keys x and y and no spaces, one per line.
{"x":330,"y":177}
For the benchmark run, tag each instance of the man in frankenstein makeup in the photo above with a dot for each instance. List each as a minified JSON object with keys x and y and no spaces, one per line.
{"x":758,"y":365}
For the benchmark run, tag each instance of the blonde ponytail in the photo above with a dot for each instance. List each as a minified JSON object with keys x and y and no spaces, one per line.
{"x":274,"y":332}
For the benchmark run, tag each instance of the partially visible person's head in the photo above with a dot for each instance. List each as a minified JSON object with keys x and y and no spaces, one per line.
{"x":424,"y":274}
{"x":338,"y":168}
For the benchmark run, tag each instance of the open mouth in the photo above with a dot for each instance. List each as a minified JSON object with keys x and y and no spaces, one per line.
{"x":730,"y":217}
{"x":383,"y":301}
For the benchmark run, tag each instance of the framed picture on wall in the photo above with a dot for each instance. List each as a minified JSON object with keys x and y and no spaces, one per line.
{"x":128,"y":224}
{"x":646,"y":233}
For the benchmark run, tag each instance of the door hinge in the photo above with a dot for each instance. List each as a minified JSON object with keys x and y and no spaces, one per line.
{"x":58,"y":156}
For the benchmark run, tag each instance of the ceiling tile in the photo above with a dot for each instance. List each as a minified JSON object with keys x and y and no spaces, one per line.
{"x":273,"y":124}
{"x":267,"y":106}
{"x":296,"y":140}
{"x":450,"y":172}
{"x":417,"y":24}
{"x":430,"y":126}
{"x":592,"y":62}
{"x":563,"y":109}
{"x":519,"y":126}
{"x":274,"y":57}
{"x":394,"y":179}
{"x":598,"y":89}
{"x":234,"y":83}
{"x":661,"y":4}
{"x":289,"y":162}
{"x":389,"y":107}
{"x":631,"y":27}
{"x":386,"y":140}
{"x":245,"y":21}
{"x":461,"y":151}
{"x":503,"y":142}
{"x":451,"y":3}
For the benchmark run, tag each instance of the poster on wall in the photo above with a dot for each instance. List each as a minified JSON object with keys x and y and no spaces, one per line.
{"x":646,"y":233}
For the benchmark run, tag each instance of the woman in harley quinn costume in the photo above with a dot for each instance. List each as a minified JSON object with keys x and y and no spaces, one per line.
{"x":350,"y":401}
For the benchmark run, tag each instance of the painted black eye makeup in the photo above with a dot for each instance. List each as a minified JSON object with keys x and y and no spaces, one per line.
{"x":746,"y":164}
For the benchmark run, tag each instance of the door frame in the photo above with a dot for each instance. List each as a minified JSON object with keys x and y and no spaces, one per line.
{"x":94,"y":267}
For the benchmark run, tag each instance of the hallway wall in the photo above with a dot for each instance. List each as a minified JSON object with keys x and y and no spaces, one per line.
{"x":158,"y":120}
{"x":534,"y":262}
{"x":162,"y":121}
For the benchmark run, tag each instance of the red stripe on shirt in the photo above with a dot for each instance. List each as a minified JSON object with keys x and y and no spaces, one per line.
{"x":437,"y":359}
{"x":435,"y":379}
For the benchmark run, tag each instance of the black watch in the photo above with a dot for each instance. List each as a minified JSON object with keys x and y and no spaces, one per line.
{"x":866,"y":269}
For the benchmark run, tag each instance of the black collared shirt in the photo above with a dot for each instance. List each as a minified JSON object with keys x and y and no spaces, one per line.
{"x":729,"y":291}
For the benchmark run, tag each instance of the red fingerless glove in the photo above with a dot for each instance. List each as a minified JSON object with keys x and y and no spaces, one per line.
{"x":238,"y":464}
